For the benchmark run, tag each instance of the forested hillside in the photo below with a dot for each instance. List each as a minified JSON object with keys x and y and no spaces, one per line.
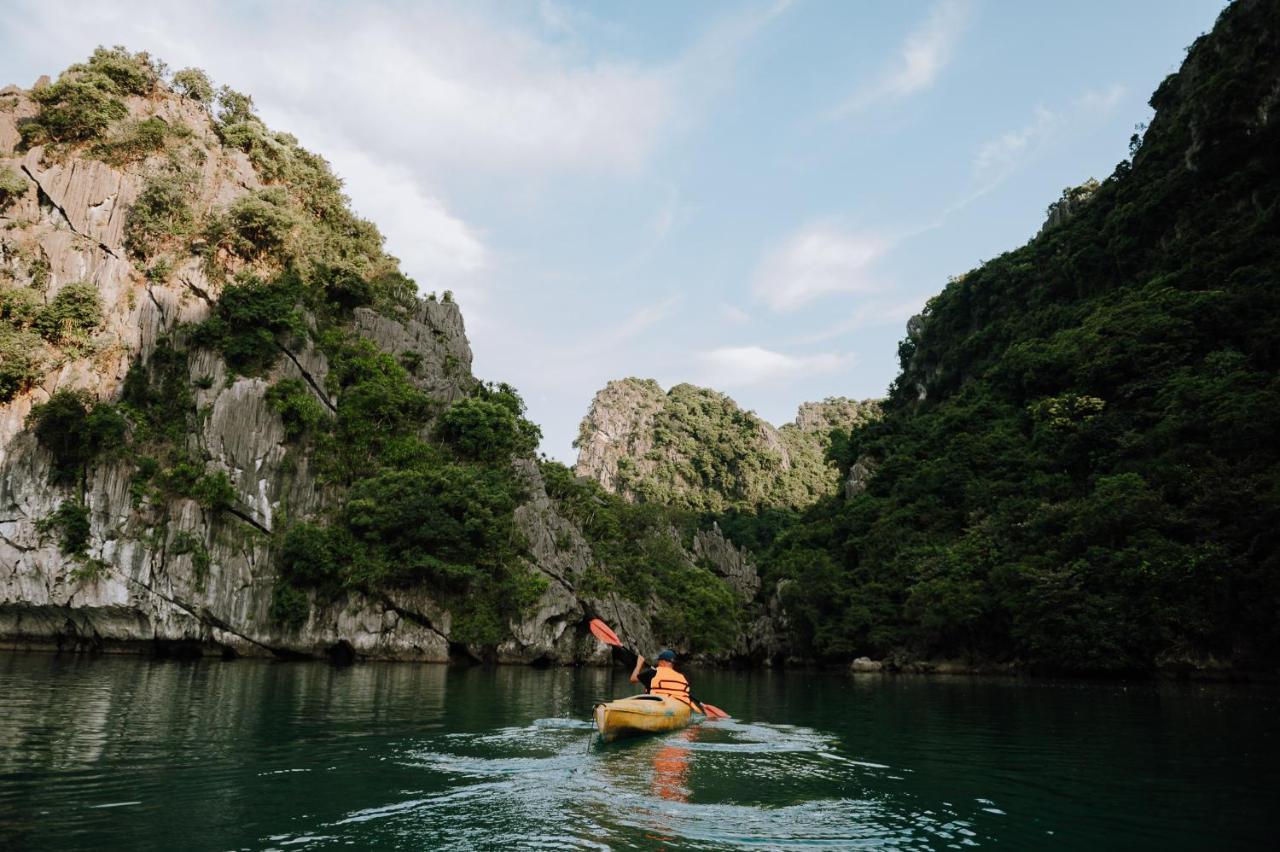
{"x":1078,"y":464}
{"x":695,"y":449}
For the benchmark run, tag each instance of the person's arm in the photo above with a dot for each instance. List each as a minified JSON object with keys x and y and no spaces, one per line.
{"x":635,"y":673}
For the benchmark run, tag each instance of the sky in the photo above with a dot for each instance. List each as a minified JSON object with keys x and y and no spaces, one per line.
{"x":751,"y":196}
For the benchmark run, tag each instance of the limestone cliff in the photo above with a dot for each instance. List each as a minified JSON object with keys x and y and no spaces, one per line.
{"x":695,"y":447}
{"x":163,"y":565}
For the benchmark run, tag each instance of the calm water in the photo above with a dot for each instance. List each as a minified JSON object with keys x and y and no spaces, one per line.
{"x":133,"y":754}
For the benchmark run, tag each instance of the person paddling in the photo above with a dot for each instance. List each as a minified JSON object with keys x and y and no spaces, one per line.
{"x":663,"y":679}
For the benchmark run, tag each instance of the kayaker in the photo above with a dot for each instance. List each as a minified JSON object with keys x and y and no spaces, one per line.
{"x":663,"y":679}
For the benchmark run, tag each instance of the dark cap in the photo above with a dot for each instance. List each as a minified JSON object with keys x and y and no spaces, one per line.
{"x":667,"y":654}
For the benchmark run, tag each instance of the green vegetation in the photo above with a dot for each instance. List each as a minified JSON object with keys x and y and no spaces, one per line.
{"x":184,"y":543}
{"x":490,"y":426}
{"x":86,"y":99}
{"x":253,"y":321}
{"x":135,"y":140}
{"x":297,"y":406}
{"x":415,"y":512}
{"x":1077,"y":466}
{"x":643,"y":548}
{"x":68,"y":322}
{"x":22,"y":360}
{"x":12,"y":186}
{"x":161,"y":212}
{"x":160,"y":407}
{"x":256,"y":225}
{"x":76,"y":430}
{"x":71,"y":318}
{"x":193,"y":83}
{"x":70,"y":522}
{"x":709,"y":455}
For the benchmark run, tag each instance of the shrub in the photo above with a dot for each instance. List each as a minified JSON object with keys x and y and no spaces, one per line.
{"x":214,"y":491}
{"x":19,"y":306}
{"x":255,"y":224}
{"x":289,"y":605}
{"x":489,"y":429}
{"x":76,"y":430}
{"x":73,"y":109}
{"x":184,"y":543}
{"x":194,"y":83}
{"x":297,"y":406}
{"x":22,"y":361}
{"x":187,"y":478}
{"x":234,"y":107}
{"x":250,"y":321}
{"x":12,"y":186}
{"x":307,"y":558}
{"x":130,"y":73}
{"x":86,"y":98}
{"x":158,"y":397}
{"x":448,"y":526}
{"x":72,"y":315}
{"x":70,"y":521}
{"x":162,"y":211}
{"x":134,"y":141}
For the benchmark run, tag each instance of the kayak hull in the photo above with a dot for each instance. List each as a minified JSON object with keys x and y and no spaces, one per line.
{"x":641,"y":714}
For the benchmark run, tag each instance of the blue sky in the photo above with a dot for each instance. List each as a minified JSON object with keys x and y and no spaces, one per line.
{"x":752,"y":196}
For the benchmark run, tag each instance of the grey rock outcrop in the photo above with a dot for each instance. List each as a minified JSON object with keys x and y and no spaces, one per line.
{"x":860,"y":474}
{"x":618,"y":428}
{"x":637,"y":441}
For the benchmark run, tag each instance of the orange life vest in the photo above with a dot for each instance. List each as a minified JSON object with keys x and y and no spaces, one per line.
{"x":668,"y":681}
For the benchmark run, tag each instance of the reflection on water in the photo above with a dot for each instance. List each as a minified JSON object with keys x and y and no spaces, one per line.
{"x":131,"y":754}
{"x":671,"y":766}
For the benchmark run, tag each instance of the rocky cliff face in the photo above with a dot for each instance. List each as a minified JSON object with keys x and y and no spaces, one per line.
{"x":170,"y":572}
{"x":695,"y":447}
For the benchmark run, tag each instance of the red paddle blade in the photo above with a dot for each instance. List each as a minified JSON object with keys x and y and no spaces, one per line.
{"x":601,"y":631}
{"x":714,"y":712}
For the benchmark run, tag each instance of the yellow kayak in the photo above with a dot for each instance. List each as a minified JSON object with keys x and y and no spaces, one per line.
{"x":642,"y":714}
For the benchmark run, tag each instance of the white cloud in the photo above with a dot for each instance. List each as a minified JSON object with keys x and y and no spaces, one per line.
{"x":875,"y":313}
{"x":733,"y":314}
{"x":738,"y":366}
{"x":406,"y":100}
{"x":1102,"y":101}
{"x":816,"y":261}
{"x":441,"y":249}
{"x":923,"y":55}
{"x":640,"y":321}
{"x":998,"y":158}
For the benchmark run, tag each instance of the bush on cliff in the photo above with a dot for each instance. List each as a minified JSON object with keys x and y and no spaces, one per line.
{"x":76,"y":430}
{"x":193,"y":83}
{"x":71,"y":317}
{"x":253,"y":321}
{"x":12,"y":186}
{"x":298,"y":408}
{"x":22,"y":360}
{"x":70,"y":522}
{"x":136,"y":140}
{"x":490,"y":426}
{"x":86,"y":99}
{"x":161,"y":213}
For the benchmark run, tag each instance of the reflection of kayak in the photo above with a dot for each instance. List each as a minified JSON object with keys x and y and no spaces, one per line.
{"x":642,"y":714}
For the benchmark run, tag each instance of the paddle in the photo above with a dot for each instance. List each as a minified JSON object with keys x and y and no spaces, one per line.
{"x":605,"y":634}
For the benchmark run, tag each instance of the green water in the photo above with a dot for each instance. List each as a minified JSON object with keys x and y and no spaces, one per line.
{"x":125,"y":753}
